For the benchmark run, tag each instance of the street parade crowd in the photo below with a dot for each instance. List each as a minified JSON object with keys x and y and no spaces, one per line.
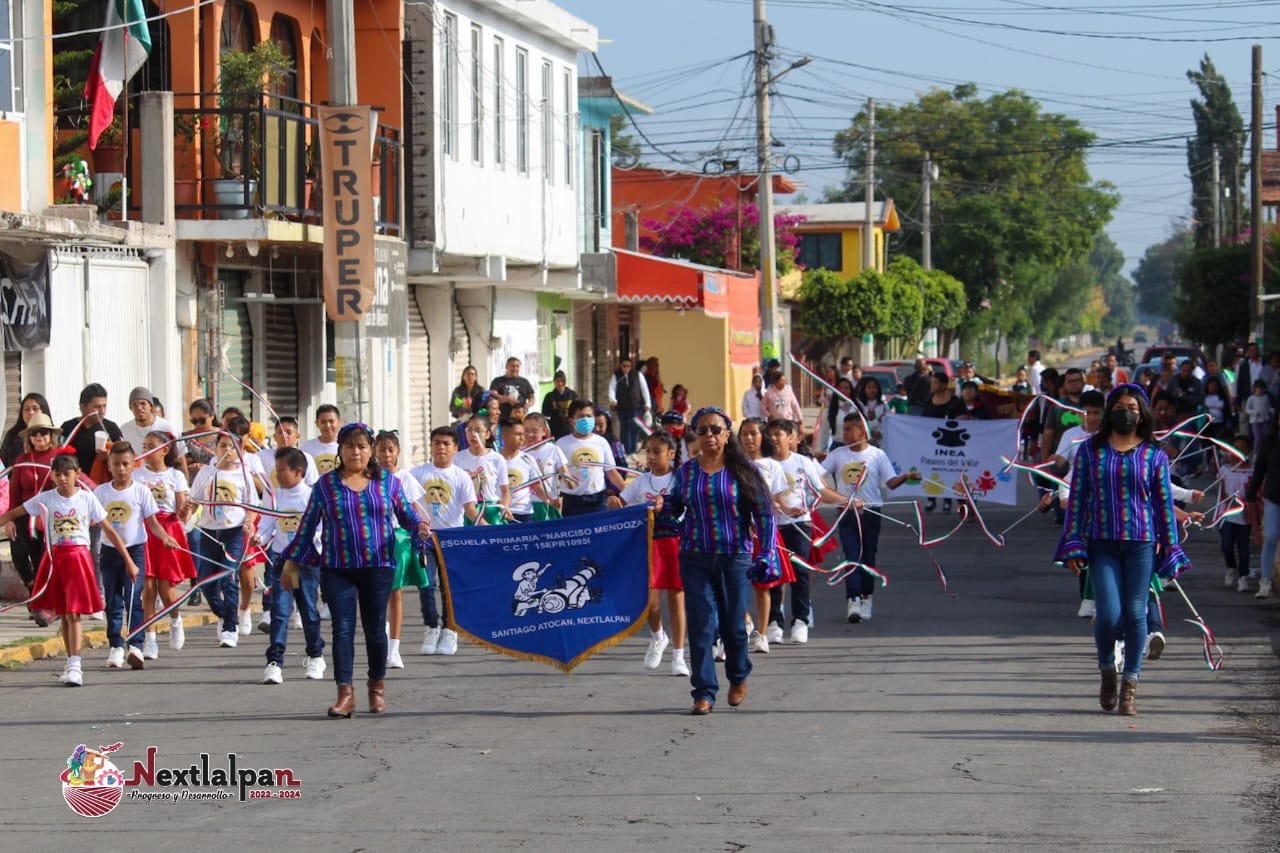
{"x":339,"y":528}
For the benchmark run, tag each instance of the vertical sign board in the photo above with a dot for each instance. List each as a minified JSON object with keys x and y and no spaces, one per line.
{"x":345,"y":165}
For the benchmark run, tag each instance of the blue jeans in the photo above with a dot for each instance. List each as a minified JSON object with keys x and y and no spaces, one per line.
{"x":427,"y":594}
{"x":226,"y":547}
{"x":307,"y":596}
{"x":583,"y":504}
{"x":1270,"y":535}
{"x":367,"y":589}
{"x":628,"y":431}
{"x":1235,"y":545}
{"x":121,"y":593}
{"x":1121,"y":582}
{"x":861,"y":549}
{"x":716,"y":592}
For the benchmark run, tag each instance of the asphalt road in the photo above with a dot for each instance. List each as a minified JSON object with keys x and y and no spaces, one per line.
{"x":968,"y":722}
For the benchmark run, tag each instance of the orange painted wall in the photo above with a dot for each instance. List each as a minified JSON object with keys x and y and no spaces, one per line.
{"x":11,"y":152}
{"x":654,"y":193}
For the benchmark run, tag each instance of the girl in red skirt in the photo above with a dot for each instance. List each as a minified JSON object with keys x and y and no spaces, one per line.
{"x":755,"y":440}
{"x":661,"y":453}
{"x":166,"y":567}
{"x":66,"y":583}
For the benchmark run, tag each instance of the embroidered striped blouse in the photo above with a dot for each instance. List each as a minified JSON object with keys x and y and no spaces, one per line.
{"x":702,"y":509}
{"x":357,"y":529}
{"x":1122,"y":496}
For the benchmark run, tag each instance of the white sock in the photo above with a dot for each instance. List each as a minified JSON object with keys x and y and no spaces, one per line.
{"x":677,"y":655}
{"x":658,"y":634}
{"x":175,"y":618}
{"x":395,"y":646}
{"x":151,"y":636}
{"x":73,"y":660}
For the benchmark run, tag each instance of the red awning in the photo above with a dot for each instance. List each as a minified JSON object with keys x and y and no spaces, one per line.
{"x":646,"y":278}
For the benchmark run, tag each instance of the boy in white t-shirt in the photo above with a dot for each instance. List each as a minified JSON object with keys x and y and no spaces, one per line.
{"x":550,"y":460}
{"x":522,"y":471}
{"x":131,"y":511}
{"x":861,"y":472}
{"x":287,"y":435}
{"x":291,"y":496}
{"x":590,"y":461}
{"x":450,"y":497}
{"x":324,"y":448}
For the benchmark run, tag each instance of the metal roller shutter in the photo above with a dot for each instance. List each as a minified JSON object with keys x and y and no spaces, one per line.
{"x":237,"y":342}
{"x":12,"y":387}
{"x":281,"y":352}
{"x":414,"y":450}
{"x":462,"y":352}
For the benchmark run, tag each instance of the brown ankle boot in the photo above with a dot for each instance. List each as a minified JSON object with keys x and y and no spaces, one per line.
{"x":346,"y":704}
{"x":1129,"y":698}
{"x":1110,"y":691}
{"x":377,"y":697}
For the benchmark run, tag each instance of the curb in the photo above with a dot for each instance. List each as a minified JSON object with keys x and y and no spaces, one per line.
{"x":53,"y":647}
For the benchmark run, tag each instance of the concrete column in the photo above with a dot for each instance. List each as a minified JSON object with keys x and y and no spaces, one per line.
{"x":157,"y":155}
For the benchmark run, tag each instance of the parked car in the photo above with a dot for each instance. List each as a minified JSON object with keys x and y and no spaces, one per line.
{"x":905,"y":368}
{"x":1139,"y":337}
{"x":1155,"y":353}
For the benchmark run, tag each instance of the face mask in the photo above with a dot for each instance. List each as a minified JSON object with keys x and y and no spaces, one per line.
{"x":584,"y":426}
{"x":1124,"y":421}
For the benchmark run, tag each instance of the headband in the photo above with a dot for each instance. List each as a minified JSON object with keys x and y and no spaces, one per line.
{"x":712,"y":410}
{"x":346,"y":431}
{"x":1128,"y":389}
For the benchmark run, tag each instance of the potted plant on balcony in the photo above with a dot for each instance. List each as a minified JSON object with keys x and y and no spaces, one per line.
{"x":185,"y":190}
{"x":243,"y":80}
{"x":109,"y":155}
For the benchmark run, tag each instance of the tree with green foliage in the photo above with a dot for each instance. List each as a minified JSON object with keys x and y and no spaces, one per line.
{"x":1107,"y":261}
{"x":1015,"y":193}
{"x":1218,"y":125}
{"x":626,"y":148}
{"x":943,"y":298}
{"x":1155,"y":278}
{"x":1211,"y":305}
{"x":833,"y":308}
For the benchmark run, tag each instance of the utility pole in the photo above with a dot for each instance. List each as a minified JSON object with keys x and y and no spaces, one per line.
{"x":348,"y":344}
{"x":1255,"y":201}
{"x":869,"y":234}
{"x":1217,"y":197}
{"x":769,"y":343}
{"x":926,"y":236}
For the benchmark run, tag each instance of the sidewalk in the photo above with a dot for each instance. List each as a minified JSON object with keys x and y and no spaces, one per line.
{"x":22,"y":642}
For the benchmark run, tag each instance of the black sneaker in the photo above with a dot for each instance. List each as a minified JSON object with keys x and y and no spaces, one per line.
{"x":195,"y":598}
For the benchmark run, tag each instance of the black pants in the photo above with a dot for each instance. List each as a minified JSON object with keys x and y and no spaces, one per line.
{"x":26,"y":551}
{"x":796,"y":539}
{"x":583,"y":504}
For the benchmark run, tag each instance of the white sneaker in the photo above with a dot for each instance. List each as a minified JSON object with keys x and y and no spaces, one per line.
{"x":1231,"y":579}
{"x":314,"y":668}
{"x":679,"y":667}
{"x":246,"y":623}
{"x":295,"y":621}
{"x":228,"y":639}
{"x":1155,"y":645}
{"x":853,"y":609}
{"x":264,"y":624}
{"x":773,"y":633}
{"x":448,"y":642}
{"x":717,"y":651}
{"x":150,"y":648}
{"x":757,"y":642}
{"x":324,"y":611}
{"x":800,"y":632}
{"x":273,"y":674}
{"x":1243,"y":584}
{"x":115,"y":658}
{"x":1088,"y":608}
{"x":177,"y":634}
{"x":431,"y":642}
{"x":72,"y":676}
{"x":653,"y":654}
{"x":751,"y":625}
{"x":135,"y":658}
{"x":394,"y":661}
{"x":866,"y":609}
{"x":100,"y":616}
{"x":1264,"y":589}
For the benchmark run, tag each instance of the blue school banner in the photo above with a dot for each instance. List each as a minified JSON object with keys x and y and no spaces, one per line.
{"x":555,"y":592}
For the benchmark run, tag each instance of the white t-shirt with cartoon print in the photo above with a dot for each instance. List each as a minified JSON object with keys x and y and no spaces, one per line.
{"x":165,"y":486}
{"x":127,"y":510}
{"x":646,"y":487}
{"x":448,"y":491}
{"x":278,"y":533}
{"x":870,"y":469}
{"x":585,"y":456}
{"x":67,"y":520}
{"x":522,"y":469}
{"x":233,"y":486}
{"x":489,"y":472}
{"x":324,"y":452}
{"x":802,"y":476}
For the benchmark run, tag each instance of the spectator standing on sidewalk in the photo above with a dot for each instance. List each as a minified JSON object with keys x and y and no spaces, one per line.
{"x":629,"y":399}
{"x":780,"y":401}
{"x":918,"y":388}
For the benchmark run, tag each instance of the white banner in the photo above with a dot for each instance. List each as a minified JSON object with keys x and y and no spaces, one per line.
{"x":936,"y":453}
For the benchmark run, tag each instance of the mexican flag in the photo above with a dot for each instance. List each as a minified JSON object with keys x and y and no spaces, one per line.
{"x":122,"y":51}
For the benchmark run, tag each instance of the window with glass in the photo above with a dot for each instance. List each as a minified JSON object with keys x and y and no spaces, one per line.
{"x":10,"y":59}
{"x":499,"y":93}
{"x":449,"y":87}
{"x":477,"y":94}
{"x":522,"y":111}
{"x":548,"y":127}
{"x":569,"y":134}
{"x":821,"y":251}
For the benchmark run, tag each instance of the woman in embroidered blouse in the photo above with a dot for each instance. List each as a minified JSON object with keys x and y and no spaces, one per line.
{"x":355,"y":509}
{"x":724,"y":515}
{"x":1120,"y":523}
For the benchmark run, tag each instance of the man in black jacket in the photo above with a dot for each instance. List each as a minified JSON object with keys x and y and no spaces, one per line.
{"x":629,"y":398}
{"x":918,"y":388}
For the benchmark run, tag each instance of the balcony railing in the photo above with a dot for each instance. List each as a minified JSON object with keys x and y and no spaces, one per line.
{"x":253,"y":156}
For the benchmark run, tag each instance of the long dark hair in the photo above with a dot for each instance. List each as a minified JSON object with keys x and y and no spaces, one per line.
{"x":12,"y":445}
{"x":1145,"y":429}
{"x":766,"y":440}
{"x":752,"y":493}
{"x":860,"y":393}
{"x":670,"y":441}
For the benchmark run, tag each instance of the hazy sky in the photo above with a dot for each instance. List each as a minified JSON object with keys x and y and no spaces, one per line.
{"x":1119,"y":67}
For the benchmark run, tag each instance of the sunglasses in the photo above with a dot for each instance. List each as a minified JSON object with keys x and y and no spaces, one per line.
{"x":709,"y":429}
{"x":36,"y":432}
{"x":196,"y":420}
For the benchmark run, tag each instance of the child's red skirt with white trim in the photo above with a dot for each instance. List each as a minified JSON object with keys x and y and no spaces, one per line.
{"x":784,"y":560}
{"x":73,"y":586}
{"x":818,"y":553}
{"x":165,"y":563}
{"x":666,"y":564}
